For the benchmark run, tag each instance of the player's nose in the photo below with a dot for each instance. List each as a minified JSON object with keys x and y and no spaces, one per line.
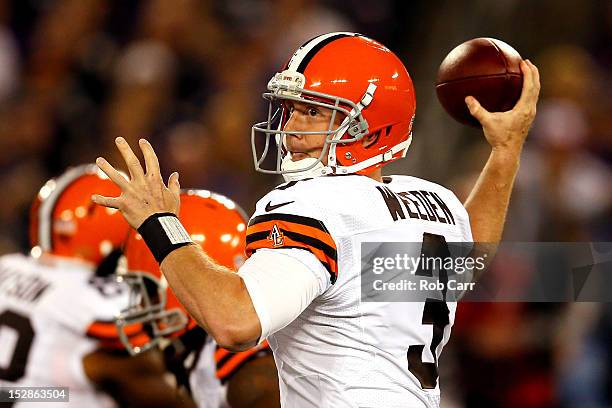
{"x":292,"y":125}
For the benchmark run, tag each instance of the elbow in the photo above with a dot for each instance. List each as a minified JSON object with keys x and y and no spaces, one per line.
{"x":237,"y":336}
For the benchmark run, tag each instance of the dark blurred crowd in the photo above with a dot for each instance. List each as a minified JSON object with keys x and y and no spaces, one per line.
{"x":188,"y":75}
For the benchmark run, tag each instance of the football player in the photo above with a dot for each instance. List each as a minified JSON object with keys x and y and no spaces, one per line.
{"x":215,"y":376}
{"x":346,"y":107}
{"x":58,"y":305}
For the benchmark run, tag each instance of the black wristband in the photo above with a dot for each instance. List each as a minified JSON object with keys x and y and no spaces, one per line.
{"x":163,"y":233}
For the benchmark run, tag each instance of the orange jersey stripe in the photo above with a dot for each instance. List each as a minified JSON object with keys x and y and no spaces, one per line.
{"x":315,"y":233}
{"x":108,"y":330}
{"x":329,"y":262}
{"x":293,"y":231}
{"x":230,"y":362}
{"x":220,"y":354}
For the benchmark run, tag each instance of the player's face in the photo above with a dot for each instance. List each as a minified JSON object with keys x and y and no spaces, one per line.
{"x":308,"y":118}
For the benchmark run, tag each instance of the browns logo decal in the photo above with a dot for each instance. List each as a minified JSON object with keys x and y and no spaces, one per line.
{"x":277,"y":237}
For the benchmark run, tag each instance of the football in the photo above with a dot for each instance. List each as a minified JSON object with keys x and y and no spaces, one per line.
{"x":486,"y":68}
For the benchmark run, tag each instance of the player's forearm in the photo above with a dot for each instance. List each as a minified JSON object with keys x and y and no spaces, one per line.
{"x":214,"y":296}
{"x":487,"y":204}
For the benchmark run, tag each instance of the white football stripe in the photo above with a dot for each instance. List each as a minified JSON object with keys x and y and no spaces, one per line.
{"x":301,"y":53}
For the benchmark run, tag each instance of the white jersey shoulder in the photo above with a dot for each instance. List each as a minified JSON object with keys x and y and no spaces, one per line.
{"x":47,"y":309}
{"x":337,"y":200}
{"x":328,"y":210}
{"x":288,"y":218}
{"x":342,"y":351}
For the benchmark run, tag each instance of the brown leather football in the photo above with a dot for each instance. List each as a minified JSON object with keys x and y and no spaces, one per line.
{"x":486,"y":68}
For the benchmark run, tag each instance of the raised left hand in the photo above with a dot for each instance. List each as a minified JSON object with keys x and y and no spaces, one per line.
{"x":144,"y":194}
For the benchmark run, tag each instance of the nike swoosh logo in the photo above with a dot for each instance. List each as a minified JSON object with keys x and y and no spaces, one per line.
{"x":270,"y":207}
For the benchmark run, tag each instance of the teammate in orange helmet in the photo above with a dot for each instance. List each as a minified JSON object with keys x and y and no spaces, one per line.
{"x":345,"y":108}
{"x":63,"y":222}
{"x":61,"y":309}
{"x":215,"y":376}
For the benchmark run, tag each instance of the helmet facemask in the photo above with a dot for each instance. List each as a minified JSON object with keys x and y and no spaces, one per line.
{"x":285,"y":87}
{"x":147,"y":306}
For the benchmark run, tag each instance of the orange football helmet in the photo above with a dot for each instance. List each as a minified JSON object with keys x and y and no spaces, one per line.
{"x":218,"y":225}
{"x":356,"y":77}
{"x":65,"y":222}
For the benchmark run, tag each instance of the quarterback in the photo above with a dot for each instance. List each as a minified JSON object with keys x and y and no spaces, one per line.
{"x":345,"y":108}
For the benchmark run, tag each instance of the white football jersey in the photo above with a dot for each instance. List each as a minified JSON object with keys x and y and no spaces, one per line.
{"x":341,"y":351}
{"x":53,"y":312}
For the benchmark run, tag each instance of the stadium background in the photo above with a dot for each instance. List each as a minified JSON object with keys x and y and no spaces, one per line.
{"x":188,"y":75}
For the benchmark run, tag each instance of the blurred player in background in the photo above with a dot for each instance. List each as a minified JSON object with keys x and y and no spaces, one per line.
{"x":58,"y":305}
{"x":346,"y":106}
{"x":214,"y":376}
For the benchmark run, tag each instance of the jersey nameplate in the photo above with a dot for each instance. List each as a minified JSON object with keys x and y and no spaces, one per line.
{"x":417,"y":204}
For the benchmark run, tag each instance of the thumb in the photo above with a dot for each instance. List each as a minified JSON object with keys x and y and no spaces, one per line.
{"x":475,"y":108}
{"x":174,"y":185}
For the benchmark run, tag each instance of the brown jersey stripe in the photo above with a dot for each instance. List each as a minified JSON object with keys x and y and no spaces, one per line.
{"x":256,"y":236}
{"x":260,"y":240}
{"x":328,"y":250}
{"x":288,"y":226}
{"x":329,"y":263}
{"x":297,"y":219}
{"x":325,"y":263}
{"x":221,"y":356}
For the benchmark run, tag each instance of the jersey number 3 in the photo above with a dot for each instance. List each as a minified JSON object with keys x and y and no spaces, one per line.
{"x":435,"y":313}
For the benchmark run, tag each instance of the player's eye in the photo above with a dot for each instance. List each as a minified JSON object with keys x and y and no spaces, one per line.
{"x":312,"y":112}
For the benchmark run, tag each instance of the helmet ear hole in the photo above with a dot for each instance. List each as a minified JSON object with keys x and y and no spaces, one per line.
{"x":371,"y":139}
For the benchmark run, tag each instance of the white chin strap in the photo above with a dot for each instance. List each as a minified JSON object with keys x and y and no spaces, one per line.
{"x":295,"y":167}
{"x":320,"y":170}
